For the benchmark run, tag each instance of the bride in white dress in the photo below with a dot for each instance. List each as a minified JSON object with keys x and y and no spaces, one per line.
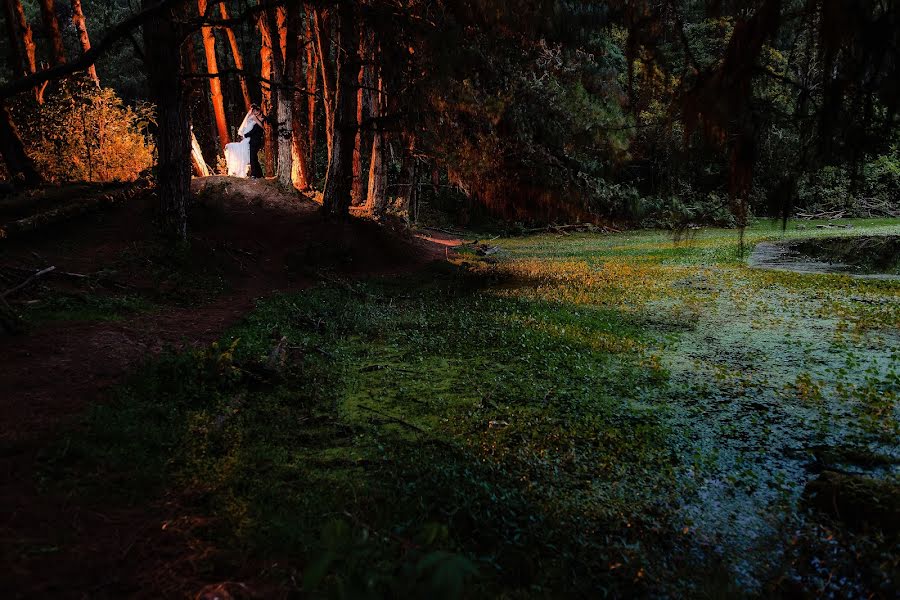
{"x":237,"y":154}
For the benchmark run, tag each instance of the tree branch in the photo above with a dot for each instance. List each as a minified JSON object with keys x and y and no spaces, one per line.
{"x":116,"y":34}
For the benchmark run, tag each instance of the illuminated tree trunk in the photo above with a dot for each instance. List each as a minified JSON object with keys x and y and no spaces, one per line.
{"x":51,"y":25}
{"x":215,"y":83}
{"x":18,"y":163}
{"x":197,"y":100}
{"x":268,"y":90}
{"x":311,"y":84}
{"x":21,"y":42}
{"x":339,"y":181}
{"x":322,"y":28}
{"x":300,"y":175}
{"x":237,"y":57}
{"x":83,"y":37}
{"x":363,"y":114}
{"x":162,"y":43}
{"x":201,"y":169}
{"x":281,"y":21}
{"x":376,"y":196}
{"x":283,"y":101}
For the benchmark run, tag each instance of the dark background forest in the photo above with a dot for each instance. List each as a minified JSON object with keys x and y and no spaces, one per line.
{"x":644,"y":112}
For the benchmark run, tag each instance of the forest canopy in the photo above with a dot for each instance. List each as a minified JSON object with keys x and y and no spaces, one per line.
{"x":659,"y":112}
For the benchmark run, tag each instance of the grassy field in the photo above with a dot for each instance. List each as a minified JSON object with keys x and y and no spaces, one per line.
{"x":583,"y":414}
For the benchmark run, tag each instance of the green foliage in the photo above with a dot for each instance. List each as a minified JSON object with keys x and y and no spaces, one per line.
{"x":483,"y":98}
{"x":350,"y":554}
{"x":84,"y":307}
{"x":873,"y":192}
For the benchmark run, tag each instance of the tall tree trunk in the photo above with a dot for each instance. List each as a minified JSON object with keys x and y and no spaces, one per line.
{"x":236,"y":56}
{"x":339,"y":181}
{"x":364,"y":113}
{"x":18,"y":163}
{"x":215,"y":83}
{"x":268,"y":89}
{"x":51,"y":25}
{"x":409,"y":202}
{"x":311,"y":83}
{"x":283,"y":100}
{"x":162,"y":43}
{"x":21,"y":42}
{"x":322,"y":27}
{"x":83,"y":37}
{"x":376,"y":197}
{"x":19,"y":34}
{"x":197,"y":101}
{"x":300,"y":175}
{"x":281,"y":24}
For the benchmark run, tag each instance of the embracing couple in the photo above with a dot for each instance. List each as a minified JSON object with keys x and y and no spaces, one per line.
{"x":244,"y":155}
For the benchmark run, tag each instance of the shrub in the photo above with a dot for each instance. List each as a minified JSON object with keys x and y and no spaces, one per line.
{"x":86,"y":133}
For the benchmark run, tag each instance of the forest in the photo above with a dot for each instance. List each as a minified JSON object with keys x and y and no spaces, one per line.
{"x":450,"y":298}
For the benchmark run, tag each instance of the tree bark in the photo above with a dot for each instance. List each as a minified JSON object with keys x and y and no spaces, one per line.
{"x":376,"y":197}
{"x":409,"y":203}
{"x":364,"y":112}
{"x":51,"y":25}
{"x":81,"y":27}
{"x":21,"y":42}
{"x":215,"y":82}
{"x":197,"y":101}
{"x":201,"y":169}
{"x":339,"y":181}
{"x":281,"y":24}
{"x":162,"y":43}
{"x":300,"y":175}
{"x":18,"y":163}
{"x":268,"y":90}
{"x":311,"y":85}
{"x":236,"y":56}
{"x":283,"y":102}
{"x":322,"y":28}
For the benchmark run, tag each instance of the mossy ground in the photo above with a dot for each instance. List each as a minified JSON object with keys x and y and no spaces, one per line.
{"x":617,"y":413}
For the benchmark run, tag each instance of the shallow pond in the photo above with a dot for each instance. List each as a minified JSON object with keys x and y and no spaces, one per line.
{"x":876,"y":257}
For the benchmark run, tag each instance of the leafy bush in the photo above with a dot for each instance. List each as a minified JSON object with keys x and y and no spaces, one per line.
{"x":86,"y":133}
{"x":874,"y":193}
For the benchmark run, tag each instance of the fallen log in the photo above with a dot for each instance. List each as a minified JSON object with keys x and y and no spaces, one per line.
{"x":69,"y":211}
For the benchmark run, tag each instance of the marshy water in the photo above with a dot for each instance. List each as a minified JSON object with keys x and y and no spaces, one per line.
{"x":874,"y":257}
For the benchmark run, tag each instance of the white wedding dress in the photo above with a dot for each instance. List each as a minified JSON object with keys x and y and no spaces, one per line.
{"x":237,"y":154}
{"x":237,"y":157}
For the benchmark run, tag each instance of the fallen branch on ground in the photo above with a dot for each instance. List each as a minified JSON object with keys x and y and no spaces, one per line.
{"x":393,"y":419}
{"x":574,"y":227}
{"x":27,"y":282}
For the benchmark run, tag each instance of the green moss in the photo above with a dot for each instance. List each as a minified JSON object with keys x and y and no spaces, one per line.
{"x":589,"y":412}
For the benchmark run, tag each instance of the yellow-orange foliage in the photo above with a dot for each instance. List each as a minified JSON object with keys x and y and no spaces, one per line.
{"x":85,"y":133}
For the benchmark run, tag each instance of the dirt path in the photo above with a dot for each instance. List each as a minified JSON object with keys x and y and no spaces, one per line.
{"x":269,"y":242}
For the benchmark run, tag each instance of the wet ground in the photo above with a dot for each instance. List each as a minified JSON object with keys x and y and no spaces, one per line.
{"x":874,"y":257}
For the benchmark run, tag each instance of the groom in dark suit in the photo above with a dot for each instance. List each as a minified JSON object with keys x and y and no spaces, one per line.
{"x":257,"y":137}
